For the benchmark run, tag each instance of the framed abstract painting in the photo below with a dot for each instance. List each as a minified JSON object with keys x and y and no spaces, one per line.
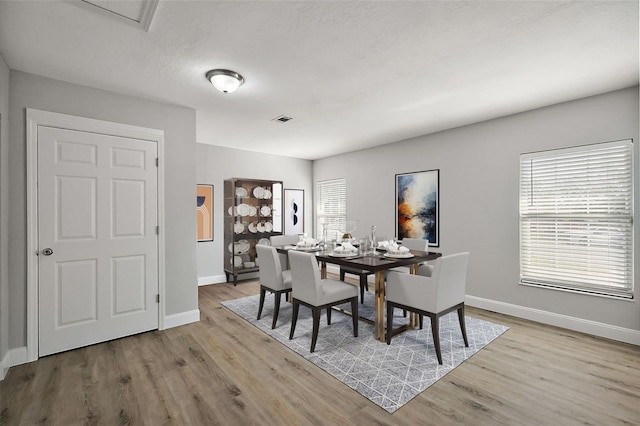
{"x":293,"y":211}
{"x":417,"y":206}
{"x":204,"y":212}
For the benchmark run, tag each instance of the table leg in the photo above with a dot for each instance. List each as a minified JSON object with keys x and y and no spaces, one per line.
{"x":323,"y":270}
{"x":414,"y":320}
{"x":379,"y":307}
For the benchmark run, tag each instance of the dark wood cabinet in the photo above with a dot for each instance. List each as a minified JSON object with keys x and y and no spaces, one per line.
{"x":252,"y":214}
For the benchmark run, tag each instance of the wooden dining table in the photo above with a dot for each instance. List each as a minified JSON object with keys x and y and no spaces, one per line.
{"x":377,"y":264}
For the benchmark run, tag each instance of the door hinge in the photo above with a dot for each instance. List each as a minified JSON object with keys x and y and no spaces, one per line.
{"x":157,"y":230}
{"x":157,"y":298}
{"x":157,"y":162}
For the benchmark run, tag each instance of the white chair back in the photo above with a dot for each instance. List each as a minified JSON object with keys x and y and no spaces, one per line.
{"x":284,"y":240}
{"x":416,"y":244}
{"x":450,"y":275}
{"x":306,"y":283}
{"x":270,"y":267}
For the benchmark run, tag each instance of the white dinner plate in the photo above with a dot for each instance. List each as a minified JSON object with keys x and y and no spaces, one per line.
{"x":347,"y":254}
{"x":261,"y":227}
{"x":265,"y":211}
{"x":264,"y":242}
{"x":253,"y":227}
{"x":308,"y":248}
{"x":238,"y":228}
{"x":399,"y":255}
{"x":241,"y":192}
{"x":253,"y":211}
{"x":268,"y":226}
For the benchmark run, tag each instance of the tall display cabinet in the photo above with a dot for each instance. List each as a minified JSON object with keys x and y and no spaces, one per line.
{"x":252,"y":214}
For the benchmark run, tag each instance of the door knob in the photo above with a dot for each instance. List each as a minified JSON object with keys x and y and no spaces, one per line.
{"x":47,"y":252}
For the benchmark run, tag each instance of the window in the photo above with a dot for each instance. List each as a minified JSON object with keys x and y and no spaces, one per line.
{"x":331,"y":202}
{"x":576,"y":219}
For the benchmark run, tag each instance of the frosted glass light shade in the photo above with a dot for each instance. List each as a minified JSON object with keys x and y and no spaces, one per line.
{"x":226,"y":81}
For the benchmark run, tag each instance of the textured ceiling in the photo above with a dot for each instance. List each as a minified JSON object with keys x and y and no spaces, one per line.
{"x":352,"y":74}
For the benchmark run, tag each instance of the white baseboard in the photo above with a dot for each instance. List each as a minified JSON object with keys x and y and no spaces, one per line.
{"x":608,"y":331}
{"x":213,"y":279}
{"x":218,"y":279}
{"x":182,"y":318}
{"x":13,"y":357}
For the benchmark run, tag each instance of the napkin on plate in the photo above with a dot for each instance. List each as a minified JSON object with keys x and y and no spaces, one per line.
{"x":393,"y":247}
{"x":345,"y":248}
{"x":383,"y":244}
{"x":307,"y":242}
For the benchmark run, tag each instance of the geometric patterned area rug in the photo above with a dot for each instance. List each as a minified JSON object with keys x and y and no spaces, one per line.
{"x":388,"y":375}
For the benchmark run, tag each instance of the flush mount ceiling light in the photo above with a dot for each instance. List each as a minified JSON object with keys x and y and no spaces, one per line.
{"x":226,"y":81}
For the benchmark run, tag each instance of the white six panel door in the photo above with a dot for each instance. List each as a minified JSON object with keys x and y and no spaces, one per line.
{"x":97,"y":204}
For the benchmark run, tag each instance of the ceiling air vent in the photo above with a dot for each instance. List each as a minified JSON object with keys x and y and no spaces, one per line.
{"x":282,"y":118}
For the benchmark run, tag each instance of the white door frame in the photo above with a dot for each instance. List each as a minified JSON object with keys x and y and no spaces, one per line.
{"x":37,"y":118}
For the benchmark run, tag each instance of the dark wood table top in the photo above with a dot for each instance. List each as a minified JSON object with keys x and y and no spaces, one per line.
{"x":368,"y":262}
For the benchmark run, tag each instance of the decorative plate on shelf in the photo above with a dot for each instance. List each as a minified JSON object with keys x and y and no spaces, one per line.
{"x":243,"y":210}
{"x":241,"y":192}
{"x":258,"y":192}
{"x":268,"y":226}
{"x":253,"y":227}
{"x":244,"y":246}
{"x":264,"y":242}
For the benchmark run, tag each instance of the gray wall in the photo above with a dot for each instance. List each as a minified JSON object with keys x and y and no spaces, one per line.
{"x":214,"y":164}
{"x":479,"y":167}
{"x":4,"y":209}
{"x":178,"y":123}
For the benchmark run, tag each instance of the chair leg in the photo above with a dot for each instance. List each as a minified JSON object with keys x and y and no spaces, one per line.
{"x":341,"y":275}
{"x":435,"y":331}
{"x":276,"y":308}
{"x":354,"y":315}
{"x":389,"y":322}
{"x":329,"y":315}
{"x":294,"y":317}
{"x":315,"y":312}
{"x":462,"y":325}
{"x":420,"y":320}
{"x":263,"y":291}
{"x":363,"y":285}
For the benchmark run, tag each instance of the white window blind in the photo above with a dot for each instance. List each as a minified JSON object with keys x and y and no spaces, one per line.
{"x":576,"y":218}
{"x":331,"y":202}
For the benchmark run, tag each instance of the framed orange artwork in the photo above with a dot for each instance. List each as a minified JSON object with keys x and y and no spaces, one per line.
{"x":204,"y":212}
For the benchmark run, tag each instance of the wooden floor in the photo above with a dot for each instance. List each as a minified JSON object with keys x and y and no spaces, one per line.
{"x":224,"y":371}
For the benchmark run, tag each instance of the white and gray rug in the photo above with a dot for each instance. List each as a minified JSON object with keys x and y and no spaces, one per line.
{"x":388,"y":375}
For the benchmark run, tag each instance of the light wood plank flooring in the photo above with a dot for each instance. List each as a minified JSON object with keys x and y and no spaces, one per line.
{"x":223,"y":371}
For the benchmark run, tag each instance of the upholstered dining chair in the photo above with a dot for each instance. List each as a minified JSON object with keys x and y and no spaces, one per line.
{"x":316,"y":293}
{"x":433,"y":296}
{"x":272,"y":278}
{"x":284,"y":240}
{"x":362,"y":274}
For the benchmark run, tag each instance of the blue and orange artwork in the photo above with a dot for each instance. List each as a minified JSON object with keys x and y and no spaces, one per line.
{"x":417,"y":206}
